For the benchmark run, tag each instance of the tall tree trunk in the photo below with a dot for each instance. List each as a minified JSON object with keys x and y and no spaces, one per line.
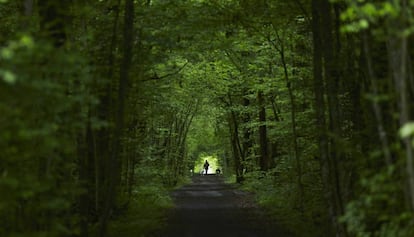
{"x":52,"y":20}
{"x":115,"y":162}
{"x":373,"y":78}
{"x":52,"y":28}
{"x":301,"y":188}
{"x":273,"y":153}
{"x":104,"y":113}
{"x":235,"y":141}
{"x":86,"y":155}
{"x":398,"y":58}
{"x":332,"y":79}
{"x":28,"y":7}
{"x":332,"y":88}
{"x":247,"y":140}
{"x":27,"y":13}
{"x":264,"y":157}
{"x":399,"y":67}
{"x":320,"y":111}
{"x":280,"y":48}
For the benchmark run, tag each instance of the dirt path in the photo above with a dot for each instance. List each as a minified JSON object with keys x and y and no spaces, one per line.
{"x":209,"y":207}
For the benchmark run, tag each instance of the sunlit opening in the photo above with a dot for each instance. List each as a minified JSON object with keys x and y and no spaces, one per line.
{"x":212,"y":160}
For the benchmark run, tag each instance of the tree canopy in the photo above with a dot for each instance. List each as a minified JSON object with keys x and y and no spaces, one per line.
{"x":105,"y":106}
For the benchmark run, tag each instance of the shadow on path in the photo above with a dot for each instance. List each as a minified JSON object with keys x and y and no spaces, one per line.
{"x":209,"y":207}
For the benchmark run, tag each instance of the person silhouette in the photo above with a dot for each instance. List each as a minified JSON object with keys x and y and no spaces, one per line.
{"x":206,"y":165}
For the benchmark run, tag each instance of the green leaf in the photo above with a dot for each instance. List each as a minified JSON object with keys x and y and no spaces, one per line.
{"x":8,"y":76}
{"x":6,"y":53}
{"x":388,"y":8}
{"x":407,"y":130}
{"x":27,"y":41}
{"x":363,"y":24}
{"x":369,"y":9}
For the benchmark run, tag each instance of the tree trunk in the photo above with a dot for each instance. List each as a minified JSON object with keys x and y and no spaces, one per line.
{"x":28,"y":7}
{"x":104,"y":113}
{"x":264,"y":157}
{"x":115,"y":159}
{"x":398,"y":58}
{"x":52,"y":20}
{"x":331,"y":63}
{"x":237,"y":147}
{"x":331,"y":77}
{"x":247,"y":141}
{"x":86,"y":155}
{"x":281,"y":50}
{"x":320,"y":108}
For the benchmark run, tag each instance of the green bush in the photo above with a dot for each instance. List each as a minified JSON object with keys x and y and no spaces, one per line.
{"x":379,"y":211}
{"x":41,"y":114}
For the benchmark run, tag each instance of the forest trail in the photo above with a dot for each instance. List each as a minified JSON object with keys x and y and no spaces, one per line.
{"x":210,"y":207}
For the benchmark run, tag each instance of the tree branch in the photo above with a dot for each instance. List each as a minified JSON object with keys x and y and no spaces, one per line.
{"x":156,"y":77}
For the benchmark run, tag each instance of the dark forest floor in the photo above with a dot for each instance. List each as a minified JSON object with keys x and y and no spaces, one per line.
{"x":210,"y":207}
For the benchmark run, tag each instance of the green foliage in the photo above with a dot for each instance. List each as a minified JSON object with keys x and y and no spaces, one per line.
{"x":365,"y":14}
{"x":378,"y":211}
{"x":41,"y":115}
{"x":276,"y":191}
{"x":146,"y":210}
{"x":407,"y":130}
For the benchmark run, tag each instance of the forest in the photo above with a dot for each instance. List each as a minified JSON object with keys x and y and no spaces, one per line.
{"x":108,"y":105}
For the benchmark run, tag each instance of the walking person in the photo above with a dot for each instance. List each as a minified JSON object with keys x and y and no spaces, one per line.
{"x":206,"y":165}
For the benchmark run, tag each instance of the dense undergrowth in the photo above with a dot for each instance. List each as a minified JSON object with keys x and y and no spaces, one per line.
{"x":276,"y":191}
